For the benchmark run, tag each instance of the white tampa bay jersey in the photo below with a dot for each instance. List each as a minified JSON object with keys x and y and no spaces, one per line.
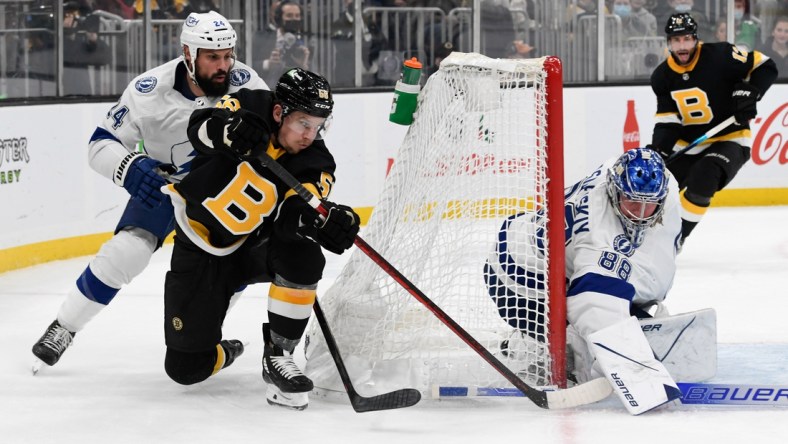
{"x":154,"y":112}
{"x":596,"y":243}
{"x":599,"y":257}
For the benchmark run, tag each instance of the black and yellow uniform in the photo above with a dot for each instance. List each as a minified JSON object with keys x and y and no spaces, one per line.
{"x":692,"y":99}
{"x":238,"y":224}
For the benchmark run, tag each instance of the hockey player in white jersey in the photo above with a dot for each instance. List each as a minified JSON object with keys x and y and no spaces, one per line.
{"x":622,"y":229}
{"x":140,"y":145}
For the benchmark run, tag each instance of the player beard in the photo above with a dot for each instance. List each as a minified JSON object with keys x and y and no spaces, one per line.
{"x":212,"y":87}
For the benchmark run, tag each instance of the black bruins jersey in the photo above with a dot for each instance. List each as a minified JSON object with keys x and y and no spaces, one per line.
{"x":224,"y":199}
{"x":694,"y":98}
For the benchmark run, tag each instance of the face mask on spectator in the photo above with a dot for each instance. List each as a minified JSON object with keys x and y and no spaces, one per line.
{"x":683,"y":8}
{"x":293,"y":26}
{"x":738,"y":14}
{"x":622,"y":10}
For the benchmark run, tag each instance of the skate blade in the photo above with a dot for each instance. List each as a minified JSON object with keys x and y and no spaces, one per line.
{"x":37,"y":366}
{"x":294,"y":401}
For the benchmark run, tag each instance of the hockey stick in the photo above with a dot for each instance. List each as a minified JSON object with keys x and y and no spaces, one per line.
{"x":693,"y":393}
{"x":587,"y":393}
{"x":391,"y":400}
{"x":710,"y":133}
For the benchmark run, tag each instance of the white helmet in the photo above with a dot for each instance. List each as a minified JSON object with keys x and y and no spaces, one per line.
{"x":209,"y":30}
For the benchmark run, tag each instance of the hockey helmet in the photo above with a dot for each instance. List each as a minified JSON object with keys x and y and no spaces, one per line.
{"x":638,"y":177}
{"x":209,"y":30}
{"x":681,"y":24}
{"x":301,"y":90}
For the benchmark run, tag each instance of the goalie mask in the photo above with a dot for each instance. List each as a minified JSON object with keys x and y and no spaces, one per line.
{"x":637,"y":186}
{"x":205,"y":31}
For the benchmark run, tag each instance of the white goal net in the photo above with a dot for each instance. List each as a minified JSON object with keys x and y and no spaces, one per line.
{"x":478,"y":153}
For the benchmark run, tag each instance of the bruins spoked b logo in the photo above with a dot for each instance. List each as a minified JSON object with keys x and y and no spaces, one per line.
{"x":177,"y":324}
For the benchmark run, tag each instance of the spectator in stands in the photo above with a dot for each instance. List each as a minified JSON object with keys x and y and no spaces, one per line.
{"x":441,"y":52}
{"x":705,"y":31}
{"x":768,"y":11}
{"x":636,"y":21}
{"x":81,"y":49}
{"x":342,"y":34}
{"x":289,"y":48}
{"x":118,"y":7}
{"x":746,"y":26}
{"x":776,"y":46}
{"x":721,"y":30}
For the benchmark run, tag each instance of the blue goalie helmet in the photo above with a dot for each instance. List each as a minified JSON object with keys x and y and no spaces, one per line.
{"x":637,"y":185}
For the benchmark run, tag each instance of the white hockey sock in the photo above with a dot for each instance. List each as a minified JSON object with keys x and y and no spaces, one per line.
{"x":627,"y":361}
{"x":77,"y":310}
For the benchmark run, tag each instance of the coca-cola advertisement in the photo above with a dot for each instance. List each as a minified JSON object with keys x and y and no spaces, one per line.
{"x":631,"y":129}
{"x":770,"y":136}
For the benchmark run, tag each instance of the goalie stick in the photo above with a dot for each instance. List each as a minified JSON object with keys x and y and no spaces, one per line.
{"x":710,"y":133}
{"x":693,"y":393}
{"x":582,"y":394}
{"x":391,"y":400}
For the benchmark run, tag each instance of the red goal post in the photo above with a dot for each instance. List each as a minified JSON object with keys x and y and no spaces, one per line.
{"x":486,"y":145}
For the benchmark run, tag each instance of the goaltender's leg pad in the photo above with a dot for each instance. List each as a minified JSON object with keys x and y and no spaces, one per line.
{"x":640,"y":381}
{"x":685,"y":343}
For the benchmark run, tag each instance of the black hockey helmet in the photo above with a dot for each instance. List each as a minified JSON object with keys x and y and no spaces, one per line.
{"x":681,"y":24}
{"x":301,"y":90}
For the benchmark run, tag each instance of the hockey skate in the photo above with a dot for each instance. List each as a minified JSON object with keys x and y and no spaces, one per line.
{"x":233,"y":348}
{"x":51,"y":346}
{"x":287,"y":385}
{"x":526,"y":357}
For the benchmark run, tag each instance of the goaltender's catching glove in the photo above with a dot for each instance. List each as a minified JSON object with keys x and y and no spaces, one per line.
{"x":139,"y":175}
{"x":745,"y":99}
{"x":239,"y":131}
{"x":339,"y":229}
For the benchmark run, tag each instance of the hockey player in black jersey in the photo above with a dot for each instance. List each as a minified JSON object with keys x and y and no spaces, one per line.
{"x":697,"y":87}
{"x":238,"y":224}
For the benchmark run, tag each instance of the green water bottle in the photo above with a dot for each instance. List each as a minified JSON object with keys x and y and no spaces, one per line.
{"x":406,"y":93}
{"x":745,"y":38}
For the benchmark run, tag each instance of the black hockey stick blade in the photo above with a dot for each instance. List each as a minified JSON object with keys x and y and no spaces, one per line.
{"x":387,"y":401}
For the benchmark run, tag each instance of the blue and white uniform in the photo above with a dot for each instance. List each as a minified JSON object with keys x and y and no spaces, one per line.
{"x":151,"y":116}
{"x":613,"y":262}
{"x":155,"y":108}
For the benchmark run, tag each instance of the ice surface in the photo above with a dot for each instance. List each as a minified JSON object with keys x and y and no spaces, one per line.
{"x":110,"y":386}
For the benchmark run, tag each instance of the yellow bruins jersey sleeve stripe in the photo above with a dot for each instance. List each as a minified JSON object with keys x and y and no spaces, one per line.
{"x":758,"y":59}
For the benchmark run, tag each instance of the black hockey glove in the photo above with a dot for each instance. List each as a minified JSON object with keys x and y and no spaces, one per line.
{"x":240,"y":131}
{"x":339,"y":229}
{"x":139,"y":175}
{"x":745,"y":99}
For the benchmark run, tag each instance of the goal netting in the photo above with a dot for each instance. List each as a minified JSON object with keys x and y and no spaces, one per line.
{"x":486,"y":145}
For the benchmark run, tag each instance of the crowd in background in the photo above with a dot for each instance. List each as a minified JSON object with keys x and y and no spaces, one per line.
{"x":321,"y":36}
